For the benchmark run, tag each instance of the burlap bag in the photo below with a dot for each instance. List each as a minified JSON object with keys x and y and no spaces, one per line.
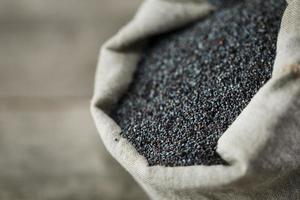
{"x":261,"y":146}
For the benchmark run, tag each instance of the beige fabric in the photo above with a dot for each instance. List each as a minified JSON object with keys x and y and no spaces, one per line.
{"x":261,"y":146}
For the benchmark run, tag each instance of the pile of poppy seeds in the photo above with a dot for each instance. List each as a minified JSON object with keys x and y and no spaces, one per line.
{"x":192,"y":84}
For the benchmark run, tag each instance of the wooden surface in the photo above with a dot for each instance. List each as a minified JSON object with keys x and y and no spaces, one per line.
{"x":50,"y":148}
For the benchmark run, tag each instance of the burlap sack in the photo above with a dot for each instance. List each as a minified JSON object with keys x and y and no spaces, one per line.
{"x":261,"y":146}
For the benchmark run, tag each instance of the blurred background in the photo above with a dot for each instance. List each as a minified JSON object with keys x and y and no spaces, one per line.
{"x":49,"y":147}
